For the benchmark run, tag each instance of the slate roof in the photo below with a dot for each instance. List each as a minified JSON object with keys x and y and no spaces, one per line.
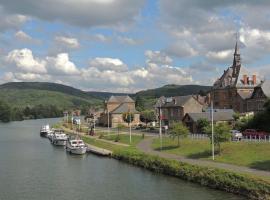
{"x":120,"y":99}
{"x":218,"y":116}
{"x":123,"y":108}
{"x":177,"y":101}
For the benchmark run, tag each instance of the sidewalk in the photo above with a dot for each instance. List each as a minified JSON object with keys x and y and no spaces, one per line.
{"x":145,"y":146}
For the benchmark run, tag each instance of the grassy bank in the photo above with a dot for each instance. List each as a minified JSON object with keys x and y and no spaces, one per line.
{"x":124,"y":138}
{"x":213,"y":178}
{"x":254,"y":155}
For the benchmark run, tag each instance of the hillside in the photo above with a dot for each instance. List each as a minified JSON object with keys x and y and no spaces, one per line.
{"x":149,"y":97}
{"x":22,"y":94}
{"x":173,"y":90}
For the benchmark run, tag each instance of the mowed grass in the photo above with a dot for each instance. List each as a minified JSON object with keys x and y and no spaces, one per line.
{"x":254,"y":155}
{"x":124,"y":138}
{"x":101,"y":144}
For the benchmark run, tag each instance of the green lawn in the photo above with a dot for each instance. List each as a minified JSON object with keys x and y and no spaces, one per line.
{"x":135,"y":139}
{"x":254,"y":155}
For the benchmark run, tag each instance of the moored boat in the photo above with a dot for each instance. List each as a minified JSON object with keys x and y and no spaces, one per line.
{"x":59,"y":138}
{"x":44,"y":130}
{"x":75,"y":145}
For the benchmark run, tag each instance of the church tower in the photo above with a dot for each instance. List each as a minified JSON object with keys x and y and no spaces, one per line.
{"x":236,"y":61}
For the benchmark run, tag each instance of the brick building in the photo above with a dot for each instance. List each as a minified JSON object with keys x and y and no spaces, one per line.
{"x":235,"y":88}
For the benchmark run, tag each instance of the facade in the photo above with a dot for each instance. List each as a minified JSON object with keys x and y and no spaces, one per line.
{"x":233,"y":89}
{"x":114,"y":109}
{"x":191,"y":119}
{"x":174,"y":108}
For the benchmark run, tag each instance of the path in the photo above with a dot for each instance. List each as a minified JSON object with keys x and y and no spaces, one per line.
{"x":145,"y":146}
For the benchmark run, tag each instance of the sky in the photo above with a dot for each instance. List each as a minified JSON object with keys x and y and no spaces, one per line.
{"x":127,"y":45}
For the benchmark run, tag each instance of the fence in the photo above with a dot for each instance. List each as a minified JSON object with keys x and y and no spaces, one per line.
{"x":243,"y":139}
{"x":198,"y":136}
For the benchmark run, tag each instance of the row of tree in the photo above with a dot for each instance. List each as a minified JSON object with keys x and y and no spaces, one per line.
{"x":9,"y":113}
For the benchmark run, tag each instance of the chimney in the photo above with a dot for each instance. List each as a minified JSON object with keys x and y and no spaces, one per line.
{"x":254,"y":79}
{"x":245,"y":79}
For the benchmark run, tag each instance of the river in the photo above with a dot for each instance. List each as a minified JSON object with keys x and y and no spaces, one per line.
{"x":31,"y":168}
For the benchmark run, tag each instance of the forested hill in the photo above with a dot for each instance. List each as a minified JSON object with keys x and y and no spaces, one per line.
{"x":46,"y":86}
{"x":174,"y":90}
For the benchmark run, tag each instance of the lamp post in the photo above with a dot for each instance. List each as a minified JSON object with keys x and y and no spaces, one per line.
{"x":212,"y":125}
{"x":129,"y":127}
{"x":160,"y":124}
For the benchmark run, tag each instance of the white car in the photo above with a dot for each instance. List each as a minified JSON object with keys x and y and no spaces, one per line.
{"x":236,"y":135}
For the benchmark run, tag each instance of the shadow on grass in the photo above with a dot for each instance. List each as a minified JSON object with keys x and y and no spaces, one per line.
{"x":167,"y":147}
{"x":262,"y":165}
{"x":202,"y":154}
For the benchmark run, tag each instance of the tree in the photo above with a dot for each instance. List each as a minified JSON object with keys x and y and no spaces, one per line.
{"x":128,"y":117}
{"x":178,"y":130}
{"x":139,"y":103}
{"x":5,"y":112}
{"x":202,"y":124}
{"x":147,"y":116}
{"x":221,"y":134}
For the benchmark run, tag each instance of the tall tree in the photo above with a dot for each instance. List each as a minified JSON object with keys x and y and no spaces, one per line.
{"x":202,"y":124}
{"x":221,"y":134}
{"x":147,"y":116}
{"x":5,"y":112}
{"x":178,"y":130}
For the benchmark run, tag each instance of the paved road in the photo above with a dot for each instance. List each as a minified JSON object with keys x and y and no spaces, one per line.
{"x":145,"y":146}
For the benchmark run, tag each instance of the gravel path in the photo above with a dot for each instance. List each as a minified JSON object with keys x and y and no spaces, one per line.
{"x":145,"y":146}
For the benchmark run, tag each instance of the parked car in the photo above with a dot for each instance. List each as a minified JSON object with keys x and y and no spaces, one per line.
{"x":253,"y":133}
{"x":236,"y":135}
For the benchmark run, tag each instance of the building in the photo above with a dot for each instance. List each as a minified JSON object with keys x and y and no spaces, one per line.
{"x":236,"y":86}
{"x":174,"y":108}
{"x":191,"y":119}
{"x":114,"y":109}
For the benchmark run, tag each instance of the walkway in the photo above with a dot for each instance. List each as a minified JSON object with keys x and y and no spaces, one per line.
{"x":145,"y":146}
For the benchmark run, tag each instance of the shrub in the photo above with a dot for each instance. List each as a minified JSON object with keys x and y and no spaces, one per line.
{"x":206,"y":176}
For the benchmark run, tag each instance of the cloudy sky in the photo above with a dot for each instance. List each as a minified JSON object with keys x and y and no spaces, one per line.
{"x":128,"y":45}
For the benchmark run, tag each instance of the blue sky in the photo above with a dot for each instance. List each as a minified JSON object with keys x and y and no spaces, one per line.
{"x":127,"y":45}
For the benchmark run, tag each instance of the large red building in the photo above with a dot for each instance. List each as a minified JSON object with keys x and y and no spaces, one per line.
{"x":235,"y":88}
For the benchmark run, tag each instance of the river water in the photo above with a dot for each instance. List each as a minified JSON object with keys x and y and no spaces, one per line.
{"x":31,"y":168}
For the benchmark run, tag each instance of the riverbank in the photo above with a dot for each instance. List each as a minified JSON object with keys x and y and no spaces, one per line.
{"x":244,"y":185}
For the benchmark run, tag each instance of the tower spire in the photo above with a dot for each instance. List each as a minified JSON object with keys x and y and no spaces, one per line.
{"x":236,"y":59}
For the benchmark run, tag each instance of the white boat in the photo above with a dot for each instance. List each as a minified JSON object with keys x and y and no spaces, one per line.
{"x":75,"y":145}
{"x":59,"y":138}
{"x":44,"y":130}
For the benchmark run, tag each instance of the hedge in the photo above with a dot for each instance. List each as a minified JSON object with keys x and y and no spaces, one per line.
{"x":244,"y":185}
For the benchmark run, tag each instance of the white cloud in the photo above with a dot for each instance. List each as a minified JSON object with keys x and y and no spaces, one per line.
{"x":62,"y":65}
{"x":102,"y":38}
{"x":24,"y":60}
{"x":157,"y":57}
{"x":220,"y":56}
{"x":23,"y":36}
{"x":103,"y":64}
{"x":86,"y":13}
{"x":68,"y":42}
{"x":127,"y":40}
{"x":11,"y":21}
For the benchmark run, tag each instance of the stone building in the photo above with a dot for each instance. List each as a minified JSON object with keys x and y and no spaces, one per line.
{"x":191,"y":119}
{"x":114,"y":109}
{"x":236,"y":86}
{"x":174,"y":108}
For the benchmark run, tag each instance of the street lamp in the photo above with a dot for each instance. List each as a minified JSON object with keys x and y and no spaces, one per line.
{"x":160,"y":124}
{"x":212,"y":125}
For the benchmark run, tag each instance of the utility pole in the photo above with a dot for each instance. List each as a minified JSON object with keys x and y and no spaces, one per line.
{"x":160,"y":128}
{"x":212,"y":123}
{"x":129,"y":114}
